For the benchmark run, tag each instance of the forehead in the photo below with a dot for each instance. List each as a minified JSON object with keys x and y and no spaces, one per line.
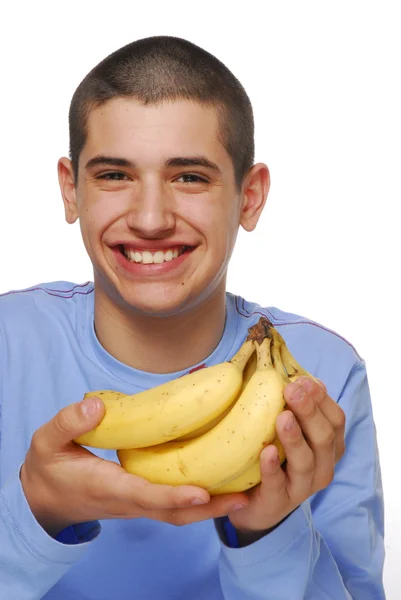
{"x":125,"y":126}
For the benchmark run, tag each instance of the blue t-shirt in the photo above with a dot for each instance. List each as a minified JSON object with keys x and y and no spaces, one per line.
{"x":330,"y":547}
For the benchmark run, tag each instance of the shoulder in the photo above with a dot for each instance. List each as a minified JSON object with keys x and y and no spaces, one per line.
{"x":32,"y":306}
{"x":293,"y":325}
{"x":44,"y":293}
{"x":322,"y":337}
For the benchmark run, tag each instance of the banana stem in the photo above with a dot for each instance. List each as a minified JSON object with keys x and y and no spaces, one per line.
{"x":260,"y":330}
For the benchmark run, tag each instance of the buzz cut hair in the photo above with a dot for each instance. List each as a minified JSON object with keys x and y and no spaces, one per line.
{"x":166,"y":68}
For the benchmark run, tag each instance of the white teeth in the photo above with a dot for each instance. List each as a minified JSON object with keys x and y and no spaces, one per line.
{"x":158,"y":257}
{"x":148,"y":258}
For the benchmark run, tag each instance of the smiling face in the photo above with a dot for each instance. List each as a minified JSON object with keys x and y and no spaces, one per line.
{"x":157,"y":203}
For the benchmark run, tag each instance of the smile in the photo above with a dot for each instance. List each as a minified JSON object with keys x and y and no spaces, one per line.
{"x":147,"y":257}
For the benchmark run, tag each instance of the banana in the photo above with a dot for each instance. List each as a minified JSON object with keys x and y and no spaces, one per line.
{"x":231,"y":446}
{"x":248,"y":478}
{"x":169,"y":410}
{"x":252,"y":476}
{"x":206,"y":427}
{"x":292,"y":367}
{"x":248,"y":372}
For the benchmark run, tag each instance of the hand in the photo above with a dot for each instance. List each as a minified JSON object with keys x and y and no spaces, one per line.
{"x":66,"y":484}
{"x":312,"y":434}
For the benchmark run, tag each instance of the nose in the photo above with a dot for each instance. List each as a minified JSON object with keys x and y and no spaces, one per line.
{"x":152,"y":210}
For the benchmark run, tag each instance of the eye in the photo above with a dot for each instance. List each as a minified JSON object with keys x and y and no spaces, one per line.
{"x":191,"y":178}
{"x":113,"y":176}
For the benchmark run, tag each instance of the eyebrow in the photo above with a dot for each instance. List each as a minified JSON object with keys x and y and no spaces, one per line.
{"x":109,"y":160}
{"x":193,"y":161}
{"x":179,"y":161}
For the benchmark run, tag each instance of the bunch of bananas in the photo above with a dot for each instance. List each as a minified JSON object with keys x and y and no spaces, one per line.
{"x":208,"y":427}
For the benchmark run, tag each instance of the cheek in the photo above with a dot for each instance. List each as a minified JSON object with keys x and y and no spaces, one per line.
{"x":219,"y":232}
{"x":97,"y":214}
{"x":210,"y":219}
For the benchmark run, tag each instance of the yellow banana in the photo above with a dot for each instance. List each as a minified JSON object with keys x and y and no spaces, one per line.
{"x":206,"y":427}
{"x":250,"y":477}
{"x":292,"y":367}
{"x":248,"y":372}
{"x":229,"y":448}
{"x":169,"y":410}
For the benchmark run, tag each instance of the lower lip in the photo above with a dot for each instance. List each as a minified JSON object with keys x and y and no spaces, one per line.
{"x":152,"y":268}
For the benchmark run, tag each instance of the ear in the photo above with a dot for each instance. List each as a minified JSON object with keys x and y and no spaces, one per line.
{"x":254,"y":195}
{"x":68,"y":190}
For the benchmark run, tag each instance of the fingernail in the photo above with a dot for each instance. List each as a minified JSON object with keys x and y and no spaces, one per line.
{"x":298,"y":394}
{"x":290,"y":423}
{"x":237,"y":506}
{"x":197,"y":501}
{"x":274,"y":460}
{"x":89,"y":406}
{"x":307,"y":385}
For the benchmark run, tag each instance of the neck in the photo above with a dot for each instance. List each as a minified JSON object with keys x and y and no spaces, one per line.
{"x":160,"y":344}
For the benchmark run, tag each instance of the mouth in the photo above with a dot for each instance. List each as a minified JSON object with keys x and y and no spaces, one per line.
{"x":149,"y":257}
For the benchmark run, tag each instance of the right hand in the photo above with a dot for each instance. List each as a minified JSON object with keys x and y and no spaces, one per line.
{"x":65,"y":484}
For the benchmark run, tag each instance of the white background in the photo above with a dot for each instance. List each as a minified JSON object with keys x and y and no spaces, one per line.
{"x":324,"y":79}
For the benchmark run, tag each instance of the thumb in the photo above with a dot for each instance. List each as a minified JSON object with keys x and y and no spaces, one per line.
{"x":73,"y":421}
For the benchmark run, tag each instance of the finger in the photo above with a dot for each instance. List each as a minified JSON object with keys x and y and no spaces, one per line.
{"x":300,"y":466}
{"x":305,"y":402}
{"x":336,"y":416}
{"x":270,"y":495}
{"x":274,"y":479}
{"x":151,"y":496}
{"x":219,"y":506}
{"x":321,"y":419}
{"x":69,"y":423}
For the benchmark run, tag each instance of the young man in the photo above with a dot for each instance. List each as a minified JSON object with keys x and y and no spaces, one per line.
{"x":161,"y":177}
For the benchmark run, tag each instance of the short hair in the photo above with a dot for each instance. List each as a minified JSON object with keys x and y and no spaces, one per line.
{"x":159,"y":68}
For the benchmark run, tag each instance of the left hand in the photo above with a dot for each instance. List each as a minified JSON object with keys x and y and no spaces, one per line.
{"x":312,"y":434}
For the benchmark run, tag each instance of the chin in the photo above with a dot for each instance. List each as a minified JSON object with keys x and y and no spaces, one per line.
{"x":156,"y":304}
